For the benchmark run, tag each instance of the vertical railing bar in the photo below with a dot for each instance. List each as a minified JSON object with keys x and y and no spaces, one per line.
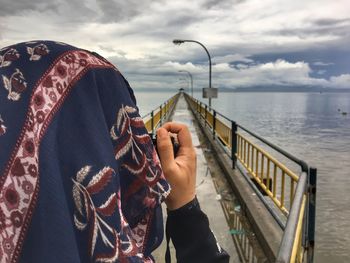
{"x":291,"y":191}
{"x":234,"y":144}
{"x":274,"y":179}
{"x":262,"y":168}
{"x":244,"y":151}
{"x":311,"y":214}
{"x":252,"y":161}
{"x":242,"y":144}
{"x":248,"y":159}
{"x":214,"y":124}
{"x":257,"y":162}
{"x":282,"y":188}
{"x":268,"y":183}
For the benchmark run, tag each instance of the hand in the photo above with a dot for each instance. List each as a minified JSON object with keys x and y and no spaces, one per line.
{"x":180,"y":171}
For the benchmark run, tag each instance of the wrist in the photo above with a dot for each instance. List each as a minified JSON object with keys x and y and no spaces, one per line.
{"x":191,"y":205}
{"x":177,"y":203}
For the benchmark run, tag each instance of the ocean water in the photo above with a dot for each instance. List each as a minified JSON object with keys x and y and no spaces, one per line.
{"x":310,"y":126}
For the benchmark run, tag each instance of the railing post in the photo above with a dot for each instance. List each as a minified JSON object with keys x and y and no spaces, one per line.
{"x":233,"y":143}
{"x":152,"y":122}
{"x":214,"y":123}
{"x":200,"y":110}
{"x":312,"y":181}
{"x":205,"y":115}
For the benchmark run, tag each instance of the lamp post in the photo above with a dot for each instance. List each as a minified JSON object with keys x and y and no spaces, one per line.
{"x":181,"y":41}
{"x":189,"y":74}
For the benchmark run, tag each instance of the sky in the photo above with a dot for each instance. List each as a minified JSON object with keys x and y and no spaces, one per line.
{"x":253,"y":43}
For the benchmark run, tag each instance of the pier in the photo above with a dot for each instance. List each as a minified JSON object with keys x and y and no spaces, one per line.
{"x":260,"y":199}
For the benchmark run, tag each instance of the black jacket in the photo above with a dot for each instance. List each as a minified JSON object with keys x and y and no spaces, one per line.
{"x":188,"y":228}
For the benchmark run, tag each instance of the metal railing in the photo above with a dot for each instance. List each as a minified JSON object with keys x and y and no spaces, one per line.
{"x":290,"y":198}
{"x":155,"y":118}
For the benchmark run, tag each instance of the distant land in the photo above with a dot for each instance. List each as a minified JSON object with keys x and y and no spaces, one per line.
{"x":284,"y":89}
{"x":276,"y":88}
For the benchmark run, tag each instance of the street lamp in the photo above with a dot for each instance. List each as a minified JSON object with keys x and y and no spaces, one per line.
{"x":189,"y":74}
{"x":181,"y":41}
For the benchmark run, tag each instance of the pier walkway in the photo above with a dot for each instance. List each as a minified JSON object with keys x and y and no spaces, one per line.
{"x":260,"y":199}
{"x":206,"y":192}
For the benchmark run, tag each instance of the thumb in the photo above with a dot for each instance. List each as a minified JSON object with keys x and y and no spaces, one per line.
{"x":165,"y":148}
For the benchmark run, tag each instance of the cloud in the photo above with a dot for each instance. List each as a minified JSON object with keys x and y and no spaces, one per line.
{"x":220,"y":4}
{"x":238,"y":34}
{"x":119,"y":10}
{"x":231,"y":58}
{"x":342,"y":81}
{"x":280,"y":72}
{"x":320,"y":63}
{"x":331,"y":21}
{"x":9,"y":8}
{"x":72,"y":11}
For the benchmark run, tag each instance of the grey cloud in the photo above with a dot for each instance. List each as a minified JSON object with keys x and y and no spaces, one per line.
{"x":330,"y":30}
{"x":108,"y":49}
{"x":320,"y":63}
{"x":72,"y":11}
{"x":221,"y":4}
{"x":119,"y":10}
{"x":330,"y":21}
{"x":183,"y":18}
{"x":9,"y":8}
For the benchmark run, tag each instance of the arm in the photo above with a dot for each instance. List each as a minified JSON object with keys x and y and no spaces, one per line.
{"x":187,"y":225}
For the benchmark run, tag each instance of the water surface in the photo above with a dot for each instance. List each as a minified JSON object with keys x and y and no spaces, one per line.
{"x":310,"y":126}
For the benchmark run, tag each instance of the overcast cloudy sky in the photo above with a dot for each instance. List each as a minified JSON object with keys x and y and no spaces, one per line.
{"x":252,"y":42}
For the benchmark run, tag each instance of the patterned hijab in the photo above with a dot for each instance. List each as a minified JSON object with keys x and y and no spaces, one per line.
{"x":80,"y":180}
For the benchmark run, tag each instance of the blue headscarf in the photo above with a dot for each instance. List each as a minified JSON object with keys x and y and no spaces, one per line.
{"x":80,"y":180}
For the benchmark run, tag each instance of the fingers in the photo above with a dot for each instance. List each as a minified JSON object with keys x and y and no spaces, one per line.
{"x":183,"y":134}
{"x":165,"y":148}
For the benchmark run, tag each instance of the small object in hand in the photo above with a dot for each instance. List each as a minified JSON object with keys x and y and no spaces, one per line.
{"x":174,"y":142}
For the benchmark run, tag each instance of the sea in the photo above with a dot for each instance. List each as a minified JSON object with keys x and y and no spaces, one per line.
{"x":314,"y":127}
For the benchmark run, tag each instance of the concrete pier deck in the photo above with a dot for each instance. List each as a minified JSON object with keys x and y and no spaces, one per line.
{"x":206,"y":192}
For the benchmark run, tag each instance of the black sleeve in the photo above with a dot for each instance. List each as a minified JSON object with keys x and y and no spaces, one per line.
{"x":188,"y":228}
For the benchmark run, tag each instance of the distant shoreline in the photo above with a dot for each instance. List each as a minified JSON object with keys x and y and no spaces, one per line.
{"x":248,"y":90}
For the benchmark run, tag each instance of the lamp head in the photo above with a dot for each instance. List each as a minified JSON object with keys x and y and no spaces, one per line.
{"x":178,"y":41}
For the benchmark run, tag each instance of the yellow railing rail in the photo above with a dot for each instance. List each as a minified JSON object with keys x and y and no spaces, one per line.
{"x":268,"y":172}
{"x":155,"y":118}
{"x":275,"y":179}
{"x":292,"y":249}
{"x":223,"y":132}
{"x":298,"y":251}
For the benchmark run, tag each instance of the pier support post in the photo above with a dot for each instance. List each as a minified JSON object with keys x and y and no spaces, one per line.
{"x":233,"y":144}
{"x":311,"y":216}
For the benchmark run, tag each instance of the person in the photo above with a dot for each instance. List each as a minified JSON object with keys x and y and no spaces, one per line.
{"x":80,"y":179}
{"x":187,"y":225}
